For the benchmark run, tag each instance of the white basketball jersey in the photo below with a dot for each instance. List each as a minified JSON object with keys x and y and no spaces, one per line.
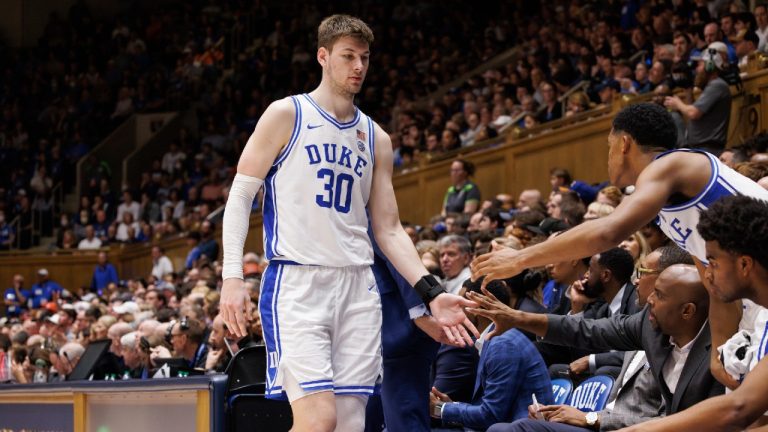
{"x":679,"y":222}
{"x":317,"y":190}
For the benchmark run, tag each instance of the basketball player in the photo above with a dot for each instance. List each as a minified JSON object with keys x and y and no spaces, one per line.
{"x":671,"y":185}
{"x":324,"y":164}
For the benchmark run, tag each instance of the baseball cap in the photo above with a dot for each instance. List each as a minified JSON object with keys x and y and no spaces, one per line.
{"x":609,"y":83}
{"x":42,"y":272}
{"x":547,"y":226}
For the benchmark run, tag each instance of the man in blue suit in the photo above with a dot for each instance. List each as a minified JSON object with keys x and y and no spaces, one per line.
{"x":409,"y":347}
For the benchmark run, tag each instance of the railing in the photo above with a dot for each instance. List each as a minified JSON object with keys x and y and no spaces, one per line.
{"x":563,"y":99}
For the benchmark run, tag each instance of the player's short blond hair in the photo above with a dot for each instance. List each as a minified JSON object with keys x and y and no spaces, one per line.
{"x":338,"y":26}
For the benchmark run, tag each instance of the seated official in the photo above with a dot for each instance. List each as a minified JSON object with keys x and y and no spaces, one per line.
{"x":673,"y":330}
{"x":604,"y":291}
{"x":509,"y":372}
{"x":636,"y":395}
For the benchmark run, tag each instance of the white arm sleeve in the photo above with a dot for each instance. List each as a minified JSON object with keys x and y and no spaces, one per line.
{"x":237,"y":214}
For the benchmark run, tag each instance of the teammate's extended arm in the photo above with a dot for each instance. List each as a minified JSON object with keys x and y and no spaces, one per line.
{"x":653,"y":188}
{"x":732,"y":412}
{"x":398,"y":248}
{"x":270,"y":135}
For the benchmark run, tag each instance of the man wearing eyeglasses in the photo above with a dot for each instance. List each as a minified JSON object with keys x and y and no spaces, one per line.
{"x":187,"y":339}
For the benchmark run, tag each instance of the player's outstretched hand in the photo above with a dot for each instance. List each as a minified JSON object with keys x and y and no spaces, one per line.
{"x":448,"y":309}
{"x":500,"y":264}
{"x":431,"y":326}
{"x":235,"y":306}
{"x":503,"y":316}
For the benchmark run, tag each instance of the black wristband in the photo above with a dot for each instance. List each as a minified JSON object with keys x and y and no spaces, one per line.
{"x":428,"y":288}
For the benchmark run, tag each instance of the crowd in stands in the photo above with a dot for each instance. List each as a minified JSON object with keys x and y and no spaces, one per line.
{"x":133,"y":65}
{"x":164,"y":60}
{"x":620,"y":48}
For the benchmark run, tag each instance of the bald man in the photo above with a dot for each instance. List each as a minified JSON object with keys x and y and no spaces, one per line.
{"x":672,"y":329}
{"x":528,"y":198}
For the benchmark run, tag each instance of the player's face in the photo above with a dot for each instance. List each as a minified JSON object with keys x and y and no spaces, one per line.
{"x":346,"y":64}
{"x":725,"y":280}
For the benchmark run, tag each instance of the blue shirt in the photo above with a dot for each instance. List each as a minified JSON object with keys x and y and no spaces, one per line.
{"x":43,"y":291}
{"x":192,"y":256}
{"x":17,"y":306}
{"x":510,"y":371}
{"x":6,"y":231}
{"x":102,"y":276}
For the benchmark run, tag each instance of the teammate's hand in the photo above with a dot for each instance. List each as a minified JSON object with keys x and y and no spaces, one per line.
{"x":448,"y":309}
{"x":501,"y":264}
{"x":235,"y":306}
{"x":503,"y":316}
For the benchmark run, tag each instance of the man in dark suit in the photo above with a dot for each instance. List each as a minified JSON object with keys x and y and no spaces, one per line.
{"x":736,"y":233}
{"x":673,"y":330}
{"x":605,"y":291}
{"x":636,"y":397}
{"x":408,"y":348}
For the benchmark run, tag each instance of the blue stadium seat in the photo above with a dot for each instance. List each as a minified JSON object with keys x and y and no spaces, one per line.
{"x":592,"y":394}
{"x":561,"y":389}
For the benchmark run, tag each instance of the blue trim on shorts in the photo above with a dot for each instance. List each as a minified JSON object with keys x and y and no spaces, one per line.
{"x":270,"y":290}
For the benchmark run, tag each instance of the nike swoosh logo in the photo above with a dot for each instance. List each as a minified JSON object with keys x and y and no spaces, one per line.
{"x":309,"y":126}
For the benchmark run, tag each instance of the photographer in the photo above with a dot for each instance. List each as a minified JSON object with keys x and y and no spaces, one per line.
{"x":707,"y":117}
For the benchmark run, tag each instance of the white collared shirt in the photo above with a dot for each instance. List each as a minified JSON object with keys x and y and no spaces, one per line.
{"x":453,"y":285}
{"x":638,"y":360}
{"x":615,"y":305}
{"x":673,"y":366}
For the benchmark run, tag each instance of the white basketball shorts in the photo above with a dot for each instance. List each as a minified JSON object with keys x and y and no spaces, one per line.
{"x":323,"y":325}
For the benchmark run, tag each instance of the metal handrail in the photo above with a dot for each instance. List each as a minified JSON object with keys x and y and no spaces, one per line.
{"x":563,"y":99}
{"x":637,"y":55}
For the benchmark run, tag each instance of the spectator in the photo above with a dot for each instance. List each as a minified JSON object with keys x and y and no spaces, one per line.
{"x":45,"y":290}
{"x":208,"y":245}
{"x":509,"y":372}
{"x":552,"y":109}
{"x":746,"y":43}
{"x":187,"y":339}
{"x":128,"y":228}
{"x":562,"y":276}
{"x":161,"y":264}
{"x":128,"y":206}
{"x":597,"y":210}
{"x":104,"y":274}
{"x":90,"y":241}
{"x":761,"y":18}
{"x":15,"y":297}
{"x":455,"y":255}
{"x":463,"y":196}
{"x":134,"y":356}
{"x":69,"y":356}
{"x":677,"y":308}
{"x":529,"y":198}
{"x":7,"y":233}
{"x":708,"y":117}
{"x":193,"y":242}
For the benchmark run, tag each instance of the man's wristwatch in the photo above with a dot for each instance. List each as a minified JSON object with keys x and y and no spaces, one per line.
{"x":592,"y":418}
{"x":428,"y":288}
{"x":437,"y":409}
